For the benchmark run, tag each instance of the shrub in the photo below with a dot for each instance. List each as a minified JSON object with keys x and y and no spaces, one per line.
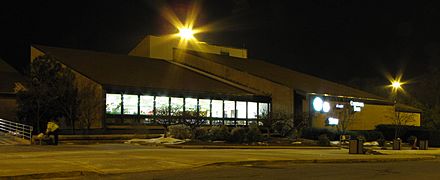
{"x":371,"y":135}
{"x":254,"y":133}
{"x":238,"y":135}
{"x":314,"y":133}
{"x":219,"y":133}
{"x":323,"y":140}
{"x":381,"y":142}
{"x":282,"y":128}
{"x":180,"y":131}
{"x":405,"y":132}
{"x":202,"y":133}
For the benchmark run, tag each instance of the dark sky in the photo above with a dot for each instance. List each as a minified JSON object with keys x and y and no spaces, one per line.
{"x":334,"y":39}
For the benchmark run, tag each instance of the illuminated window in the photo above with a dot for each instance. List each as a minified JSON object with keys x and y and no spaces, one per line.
{"x":229,"y":109}
{"x":162,"y":105}
{"x":217,"y":122}
{"x":204,"y":107}
{"x":241,"y":123}
{"x":217,"y":108}
{"x":130,"y":104}
{"x":229,"y":122}
{"x":241,"y":110}
{"x":147,"y":105}
{"x":176,"y":106}
{"x":263,"y":110}
{"x":191,"y":106}
{"x":252,"y":110}
{"x":113,"y":103}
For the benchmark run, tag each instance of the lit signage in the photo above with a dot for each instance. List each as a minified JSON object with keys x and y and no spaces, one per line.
{"x":339,"y":106}
{"x":317,"y":104}
{"x":356,"y":105}
{"x":333,"y":121}
{"x":325,"y":106}
{"x":320,"y":105}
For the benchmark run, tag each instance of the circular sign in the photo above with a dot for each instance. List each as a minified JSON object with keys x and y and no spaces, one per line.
{"x":317,"y":104}
{"x":326,"y":106}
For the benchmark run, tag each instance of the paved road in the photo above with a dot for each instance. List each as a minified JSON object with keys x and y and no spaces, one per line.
{"x":104,"y":159}
{"x":389,"y":170}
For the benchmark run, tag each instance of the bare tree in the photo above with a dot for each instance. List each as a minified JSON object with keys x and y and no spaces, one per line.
{"x":193,"y":121}
{"x":400,"y":119}
{"x":346,"y":116}
{"x":164,"y":118}
{"x":89,"y":104}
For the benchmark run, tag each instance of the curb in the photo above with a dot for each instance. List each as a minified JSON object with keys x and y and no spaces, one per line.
{"x":247,"y":147}
{"x":65,"y":174}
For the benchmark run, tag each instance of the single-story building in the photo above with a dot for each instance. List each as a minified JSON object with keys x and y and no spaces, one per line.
{"x":219,"y":84}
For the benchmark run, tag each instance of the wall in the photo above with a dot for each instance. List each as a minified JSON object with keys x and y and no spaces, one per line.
{"x":8,"y":107}
{"x":162,"y":48}
{"x":370,"y":116}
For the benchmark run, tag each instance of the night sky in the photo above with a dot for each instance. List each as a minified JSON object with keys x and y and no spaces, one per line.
{"x":336,"y":40}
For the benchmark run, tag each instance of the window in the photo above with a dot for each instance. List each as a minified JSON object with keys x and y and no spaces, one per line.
{"x":113,"y":103}
{"x":241,"y":110}
{"x":263,"y":110}
{"x":241,"y":123}
{"x":204,"y":107}
{"x":217,"y":108}
{"x":252,"y":110}
{"x":229,"y":122}
{"x":229,"y":109}
{"x":176,"y":106}
{"x":191,"y":106}
{"x":162,"y":105}
{"x":217,"y":122}
{"x":130,"y":104}
{"x":147,"y":105}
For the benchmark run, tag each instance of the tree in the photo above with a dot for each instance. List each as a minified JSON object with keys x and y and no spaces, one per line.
{"x":51,"y":94}
{"x":346,"y":116}
{"x":400,"y":119}
{"x":164,"y":118}
{"x":89,"y":104}
{"x":193,"y":121}
{"x":270,"y":122}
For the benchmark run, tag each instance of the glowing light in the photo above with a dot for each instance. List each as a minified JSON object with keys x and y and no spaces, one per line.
{"x":317,"y":104}
{"x":333,"y":121}
{"x":326,"y":106}
{"x":339,"y":106}
{"x":186,"y":33}
{"x":396,"y":84}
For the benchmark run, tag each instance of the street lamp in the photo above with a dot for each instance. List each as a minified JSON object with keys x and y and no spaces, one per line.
{"x":186,"y":33}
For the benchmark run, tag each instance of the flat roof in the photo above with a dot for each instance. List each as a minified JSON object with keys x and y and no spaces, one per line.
{"x":138,"y":72}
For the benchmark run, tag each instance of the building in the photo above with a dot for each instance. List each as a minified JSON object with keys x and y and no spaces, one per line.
{"x":219,"y":84}
{"x":10,"y":79}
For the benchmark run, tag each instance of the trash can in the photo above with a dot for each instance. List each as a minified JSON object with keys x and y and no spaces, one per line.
{"x":396,"y":144}
{"x":356,"y":146}
{"x":423,"y":144}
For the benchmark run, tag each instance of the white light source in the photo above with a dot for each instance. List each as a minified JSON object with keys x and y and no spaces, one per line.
{"x":356,"y":105}
{"x":186,"y":33}
{"x":339,"y":106}
{"x":326,"y":106}
{"x":317,"y":104}
{"x":333,"y":121}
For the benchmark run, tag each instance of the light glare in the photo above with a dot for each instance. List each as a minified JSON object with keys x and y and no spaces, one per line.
{"x":186,"y":33}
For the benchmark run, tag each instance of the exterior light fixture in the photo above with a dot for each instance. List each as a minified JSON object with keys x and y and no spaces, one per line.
{"x":326,"y":106}
{"x":396,"y":84}
{"x":186,"y":33}
{"x":317,"y":104}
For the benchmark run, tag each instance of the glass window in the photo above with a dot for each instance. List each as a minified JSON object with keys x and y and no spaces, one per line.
{"x":130,"y":104}
{"x":263,"y":110}
{"x":217,"y":108}
{"x":176,"y":106}
{"x":113,"y":103}
{"x":229,"y":122}
{"x":217,"y":122}
{"x":241,"y":123}
{"x":147,"y":105}
{"x":241,"y":109}
{"x":204,"y":107}
{"x":162,"y":105}
{"x":229,"y":109}
{"x":191,"y":106}
{"x":252,"y":110}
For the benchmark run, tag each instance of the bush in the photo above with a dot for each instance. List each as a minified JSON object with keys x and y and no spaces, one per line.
{"x":323,"y":140}
{"x":381,"y":142}
{"x":202,"y":133}
{"x":180,"y":131}
{"x":238,"y":135}
{"x":282,"y":128}
{"x":405,"y":132}
{"x":371,"y":135}
{"x":314,"y":133}
{"x":219,"y":133}
{"x":254,"y":133}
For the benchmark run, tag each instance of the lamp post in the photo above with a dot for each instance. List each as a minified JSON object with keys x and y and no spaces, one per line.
{"x":396,"y":85}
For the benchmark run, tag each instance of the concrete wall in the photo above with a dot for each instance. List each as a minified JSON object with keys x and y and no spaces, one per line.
{"x":282,"y":96}
{"x":162,"y":48}
{"x":370,"y":116}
